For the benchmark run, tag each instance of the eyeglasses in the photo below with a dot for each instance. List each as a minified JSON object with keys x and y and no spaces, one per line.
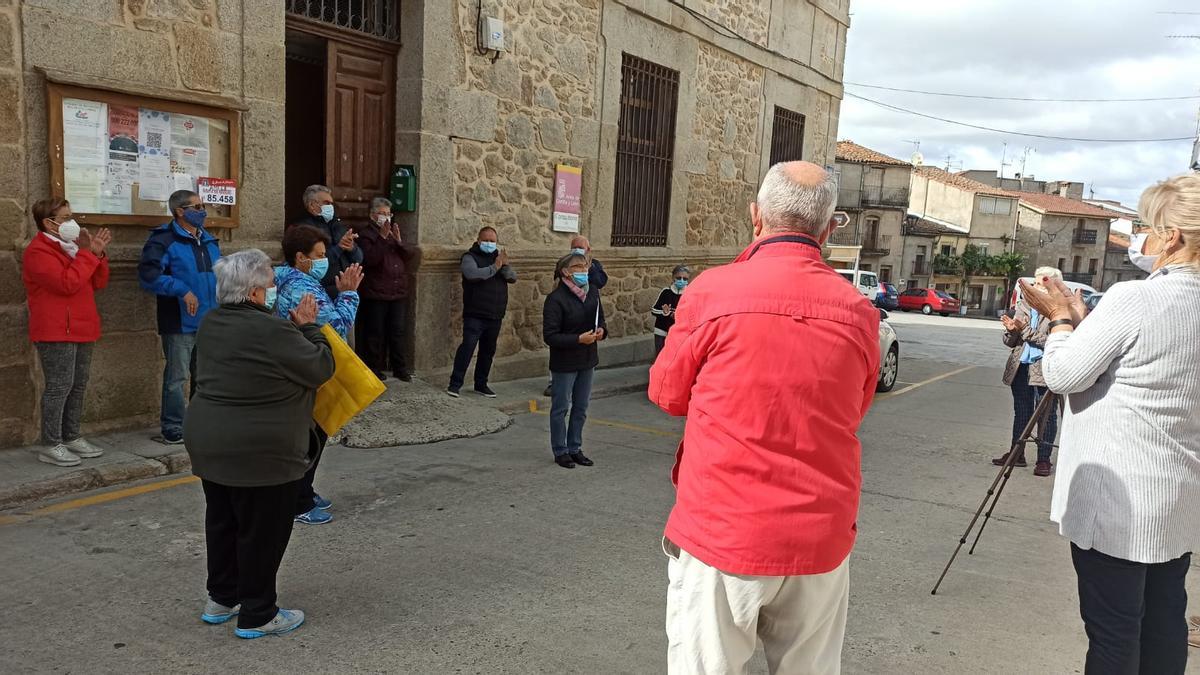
{"x":197,"y":207}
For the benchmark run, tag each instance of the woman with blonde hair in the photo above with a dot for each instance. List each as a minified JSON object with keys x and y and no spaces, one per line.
{"x":1128,"y":487}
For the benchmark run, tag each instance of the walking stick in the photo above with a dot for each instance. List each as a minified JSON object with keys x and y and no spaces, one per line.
{"x":1042,"y":411}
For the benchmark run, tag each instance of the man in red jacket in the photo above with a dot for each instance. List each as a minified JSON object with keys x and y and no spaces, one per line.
{"x":773,"y":359}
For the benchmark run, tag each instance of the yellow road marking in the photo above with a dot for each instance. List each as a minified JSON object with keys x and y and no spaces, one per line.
{"x":533,"y":407}
{"x":112,"y":496}
{"x":918,"y":385}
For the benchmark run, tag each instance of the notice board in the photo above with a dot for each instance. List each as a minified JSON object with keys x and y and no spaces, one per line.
{"x":118,"y":157}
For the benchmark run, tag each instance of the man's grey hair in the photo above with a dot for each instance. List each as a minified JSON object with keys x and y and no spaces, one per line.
{"x":179,"y":199}
{"x":380,"y":202}
{"x":238,"y":274}
{"x":789,"y":207}
{"x":311,"y":192}
{"x":681,"y":268}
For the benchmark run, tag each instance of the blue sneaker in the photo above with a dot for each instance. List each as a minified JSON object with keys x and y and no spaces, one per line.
{"x":216,"y":613}
{"x":285,"y":621}
{"x":321,"y":503}
{"x":314,"y":517}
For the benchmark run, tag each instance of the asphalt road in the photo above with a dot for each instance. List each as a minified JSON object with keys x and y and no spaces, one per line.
{"x":481,"y":556}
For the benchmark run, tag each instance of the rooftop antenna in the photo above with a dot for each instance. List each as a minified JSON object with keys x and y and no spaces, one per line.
{"x":1003,"y":163}
{"x":1025,"y":158}
{"x":917,"y":158}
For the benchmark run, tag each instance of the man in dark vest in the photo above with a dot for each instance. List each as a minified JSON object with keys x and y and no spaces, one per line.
{"x":485,"y":279}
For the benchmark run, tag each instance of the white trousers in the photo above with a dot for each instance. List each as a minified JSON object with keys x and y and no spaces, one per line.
{"x":714,"y":619}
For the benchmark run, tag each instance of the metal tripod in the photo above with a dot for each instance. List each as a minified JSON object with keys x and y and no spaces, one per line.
{"x":1041,"y":414}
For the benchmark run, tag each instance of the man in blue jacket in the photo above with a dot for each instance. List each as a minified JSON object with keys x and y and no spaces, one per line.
{"x":177,"y":266}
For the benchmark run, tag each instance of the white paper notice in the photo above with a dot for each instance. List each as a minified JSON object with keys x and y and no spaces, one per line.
{"x":189,"y":131}
{"x":85,"y":146}
{"x":183,"y":181}
{"x":154,"y":155}
{"x":154,"y":177}
{"x":192,"y":161}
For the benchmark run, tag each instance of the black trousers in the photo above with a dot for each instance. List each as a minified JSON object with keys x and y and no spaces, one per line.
{"x":380,"y":339}
{"x":306,"y":494}
{"x":247,"y":531}
{"x":1134,"y":614}
{"x":481,"y":332}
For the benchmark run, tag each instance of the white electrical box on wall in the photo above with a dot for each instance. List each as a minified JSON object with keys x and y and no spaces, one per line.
{"x":493,"y":33}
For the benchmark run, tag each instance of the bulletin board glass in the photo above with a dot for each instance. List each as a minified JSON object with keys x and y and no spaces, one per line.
{"x":117,"y":157}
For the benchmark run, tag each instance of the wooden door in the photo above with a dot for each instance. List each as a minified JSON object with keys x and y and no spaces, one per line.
{"x":360,"y":113}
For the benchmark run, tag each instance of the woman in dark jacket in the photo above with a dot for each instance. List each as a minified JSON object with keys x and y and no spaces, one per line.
{"x":379,"y":331}
{"x":251,"y":438}
{"x":572,"y":324}
{"x":664,"y":308}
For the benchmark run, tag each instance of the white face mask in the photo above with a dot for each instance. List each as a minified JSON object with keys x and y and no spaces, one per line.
{"x":1142,"y":261}
{"x":68,"y":231}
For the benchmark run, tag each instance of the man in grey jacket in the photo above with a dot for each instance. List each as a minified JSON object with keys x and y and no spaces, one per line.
{"x":486,"y":275}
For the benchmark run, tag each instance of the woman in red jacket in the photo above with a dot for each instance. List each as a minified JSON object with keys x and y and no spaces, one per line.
{"x":63,"y":267}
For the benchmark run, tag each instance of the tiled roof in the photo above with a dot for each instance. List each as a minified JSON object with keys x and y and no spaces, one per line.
{"x":926,"y":226}
{"x":1063,"y":206}
{"x":961,"y":182}
{"x":1118,"y":241}
{"x":849,"y":151}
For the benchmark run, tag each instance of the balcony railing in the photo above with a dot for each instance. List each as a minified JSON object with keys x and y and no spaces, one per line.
{"x":874,"y":196}
{"x":1080,"y":277}
{"x":920,"y":269}
{"x":1085,"y":237}
{"x":880,"y":247}
{"x":844,"y":236}
{"x":850,"y":198}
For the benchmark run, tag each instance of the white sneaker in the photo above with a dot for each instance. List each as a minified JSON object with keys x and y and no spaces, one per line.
{"x":59,"y":455}
{"x":84,"y":449}
{"x":286,"y":621}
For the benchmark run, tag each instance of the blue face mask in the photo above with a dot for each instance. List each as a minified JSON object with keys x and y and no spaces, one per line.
{"x":271,"y":296}
{"x":327,"y":212}
{"x":488,"y":246}
{"x":194,"y":218}
{"x":579,"y":251}
{"x":680,"y":284}
{"x":319,"y":267}
{"x":580,"y":278}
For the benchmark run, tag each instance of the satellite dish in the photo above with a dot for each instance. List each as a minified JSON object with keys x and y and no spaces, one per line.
{"x":918,"y":159}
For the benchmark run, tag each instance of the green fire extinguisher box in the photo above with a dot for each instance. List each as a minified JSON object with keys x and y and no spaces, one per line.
{"x":403,"y":192}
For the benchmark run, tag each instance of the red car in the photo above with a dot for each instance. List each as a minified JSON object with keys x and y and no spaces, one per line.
{"x":928,"y":301}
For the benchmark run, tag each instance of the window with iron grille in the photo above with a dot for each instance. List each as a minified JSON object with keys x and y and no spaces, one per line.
{"x":645,"y":153}
{"x":787,"y":136}
{"x":377,"y":18}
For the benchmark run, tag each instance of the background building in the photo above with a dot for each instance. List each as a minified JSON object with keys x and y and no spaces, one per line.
{"x":1117,"y":266}
{"x":670,"y":117}
{"x":1065,"y":233}
{"x":873,"y":189}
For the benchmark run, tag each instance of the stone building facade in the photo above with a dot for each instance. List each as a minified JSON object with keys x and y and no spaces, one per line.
{"x":1065,"y":233}
{"x":483,"y":131}
{"x":873,"y":190}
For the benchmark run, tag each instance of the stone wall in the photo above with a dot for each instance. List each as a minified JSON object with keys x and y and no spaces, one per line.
{"x":226,"y":54}
{"x":749,"y":18}
{"x":729,"y":93}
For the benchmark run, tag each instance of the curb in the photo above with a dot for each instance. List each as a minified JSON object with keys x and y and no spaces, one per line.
{"x":106,"y":475}
{"x":517,"y":407}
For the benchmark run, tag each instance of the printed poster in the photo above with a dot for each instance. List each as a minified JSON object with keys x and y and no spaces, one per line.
{"x":154,"y":155}
{"x":121,"y":171}
{"x":85,"y":139}
{"x":568,"y":185}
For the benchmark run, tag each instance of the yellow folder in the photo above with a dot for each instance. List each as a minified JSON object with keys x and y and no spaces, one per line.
{"x":352,"y":388}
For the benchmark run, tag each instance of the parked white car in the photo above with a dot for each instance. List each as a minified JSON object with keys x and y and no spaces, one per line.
{"x":889,"y":354}
{"x":866,"y":282}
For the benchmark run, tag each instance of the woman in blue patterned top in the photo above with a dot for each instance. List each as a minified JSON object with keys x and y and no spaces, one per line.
{"x":304,"y":253}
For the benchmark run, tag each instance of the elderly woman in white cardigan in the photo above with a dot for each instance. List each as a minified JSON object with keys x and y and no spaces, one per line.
{"x":1127,"y":493}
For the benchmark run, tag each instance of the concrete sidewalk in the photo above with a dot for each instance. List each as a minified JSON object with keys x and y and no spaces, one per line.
{"x":131,"y":456}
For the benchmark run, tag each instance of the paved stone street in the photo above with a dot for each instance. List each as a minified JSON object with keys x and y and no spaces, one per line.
{"x":481,"y":556}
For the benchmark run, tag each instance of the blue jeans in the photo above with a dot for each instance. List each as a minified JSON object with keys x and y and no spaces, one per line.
{"x":179,"y":349}
{"x":569,"y":392}
{"x":481,"y":332}
{"x":1025,"y":401}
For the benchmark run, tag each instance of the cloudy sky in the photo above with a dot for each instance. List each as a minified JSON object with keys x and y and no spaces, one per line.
{"x":1018,"y":48}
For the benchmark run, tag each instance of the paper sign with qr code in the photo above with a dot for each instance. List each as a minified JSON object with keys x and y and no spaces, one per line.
{"x":221,"y":191}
